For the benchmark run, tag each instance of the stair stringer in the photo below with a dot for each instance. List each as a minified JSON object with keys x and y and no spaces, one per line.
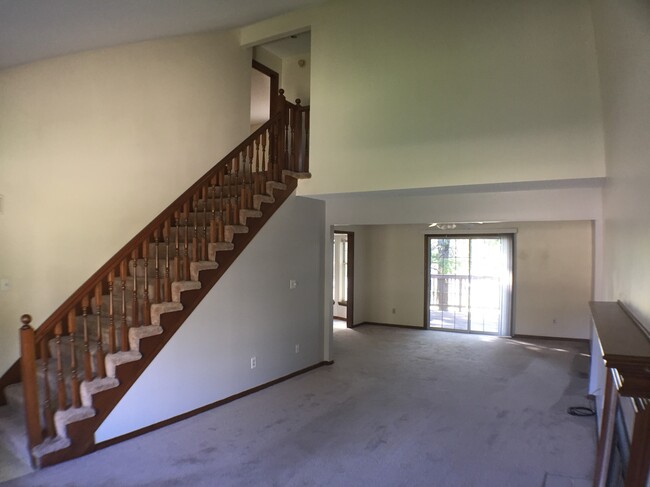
{"x":82,"y":433}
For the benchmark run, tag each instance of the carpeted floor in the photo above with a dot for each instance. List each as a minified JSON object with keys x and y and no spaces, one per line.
{"x":398,"y":408}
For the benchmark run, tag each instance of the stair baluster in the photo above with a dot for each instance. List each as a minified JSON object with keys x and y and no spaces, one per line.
{"x":213,"y":215}
{"x":74,"y":378}
{"x":204,"y":240}
{"x":60,"y":383}
{"x":146,"y":305}
{"x":249,"y":186}
{"x":167,"y":283}
{"x":235,"y":208}
{"x":88,"y":373}
{"x":112,"y":347}
{"x":177,"y":255}
{"x":255,"y":163}
{"x":135,"y":312}
{"x":228,"y":202}
{"x":195,"y":231}
{"x":48,"y":414}
{"x":186,"y":242}
{"x":262,"y":185}
{"x":243,"y":199}
{"x":100,"y":366}
{"x":156,"y":256}
{"x":124,"y":329}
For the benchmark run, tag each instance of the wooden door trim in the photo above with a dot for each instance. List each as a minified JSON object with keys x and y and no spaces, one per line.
{"x":350,"y":310}
{"x":275,"y":83}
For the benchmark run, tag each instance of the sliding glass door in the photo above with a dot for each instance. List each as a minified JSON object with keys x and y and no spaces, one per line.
{"x":469,"y":283}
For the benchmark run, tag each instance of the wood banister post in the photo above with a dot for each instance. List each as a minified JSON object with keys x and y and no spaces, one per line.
{"x":298,"y":137}
{"x":30,"y":387}
{"x":280,"y":136}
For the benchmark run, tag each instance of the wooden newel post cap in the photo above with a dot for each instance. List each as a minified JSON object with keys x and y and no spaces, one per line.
{"x":281,"y":92}
{"x":298,"y":101}
{"x":26,"y":320}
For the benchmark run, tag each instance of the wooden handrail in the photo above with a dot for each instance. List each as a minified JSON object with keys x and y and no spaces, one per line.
{"x":124,"y":253}
{"x":236,"y":177}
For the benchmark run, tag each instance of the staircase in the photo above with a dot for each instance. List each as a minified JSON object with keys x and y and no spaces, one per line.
{"x":79,"y":363}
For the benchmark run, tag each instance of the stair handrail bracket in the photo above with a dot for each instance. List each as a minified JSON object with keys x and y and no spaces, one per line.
{"x":74,"y":353}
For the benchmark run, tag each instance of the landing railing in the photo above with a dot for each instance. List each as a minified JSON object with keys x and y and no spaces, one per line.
{"x":120,"y":294}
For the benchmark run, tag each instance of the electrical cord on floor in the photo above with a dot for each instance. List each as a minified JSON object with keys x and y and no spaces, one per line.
{"x":581,"y":411}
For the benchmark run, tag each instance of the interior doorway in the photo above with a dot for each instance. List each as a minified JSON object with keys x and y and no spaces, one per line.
{"x":343,"y":278}
{"x":469,"y":283}
{"x":264,"y":92}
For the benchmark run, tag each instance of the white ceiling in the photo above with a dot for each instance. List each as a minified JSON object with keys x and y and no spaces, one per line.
{"x":295,"y":45}
{"x":37,"y":29}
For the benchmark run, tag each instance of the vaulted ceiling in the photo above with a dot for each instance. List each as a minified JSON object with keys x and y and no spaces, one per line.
{"x":38,"y":29}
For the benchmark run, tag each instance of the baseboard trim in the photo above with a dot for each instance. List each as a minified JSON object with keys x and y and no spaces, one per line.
{"x":207,"y":407}
{"x":540,"y":337}
{"x":409,"y":327}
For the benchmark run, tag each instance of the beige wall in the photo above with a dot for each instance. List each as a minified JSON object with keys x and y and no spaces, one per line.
{"x":295,"y":79}
{"x":553,"y":279}
{"x":553,"y":276}
{"x":94,"y":145}
{"x":425,"y":93}
{"x":623,"y":41}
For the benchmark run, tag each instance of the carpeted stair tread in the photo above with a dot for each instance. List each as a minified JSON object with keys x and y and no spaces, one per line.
{"x":202,"y":265}
{"x":213,"y":248}
{"x":296,"y":175}
{"x":179,"y":286}
{"x":12,"y":431}
{"x":247,"y":213}
{"x":87,"y":389}
{"x":49,"y":445}
{"x":160,"y":308}
{"x":273,"y":185}
{"x":229,"y":231}
{"x":71,"y":415}
{"x":113,"y":360}
{"x":141,"y":332}
{"x":258,"y":199}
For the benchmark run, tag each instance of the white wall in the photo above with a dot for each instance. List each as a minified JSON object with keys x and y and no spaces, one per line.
{"x":623,"y":42}
{"x":553,"y":279}
{"x":425,"y":93}
{"x":295,"y":79}
{"x":209,"y":357}
{"x":94,"y":145}
{"x":268,"y":59}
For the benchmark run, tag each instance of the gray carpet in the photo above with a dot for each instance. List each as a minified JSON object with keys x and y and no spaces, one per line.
{"x":398,"y":408}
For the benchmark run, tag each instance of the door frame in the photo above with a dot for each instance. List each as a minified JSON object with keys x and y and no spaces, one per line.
{"x":350,"y":260}
{"x":275,"y":84}
{"x":427,"y":291}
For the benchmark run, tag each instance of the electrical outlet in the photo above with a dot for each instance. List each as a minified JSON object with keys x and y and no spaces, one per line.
{"x":292,"y":284}
{"x":253,"y":362}
{"x":297,"y":348}
{"x":4,"y":284}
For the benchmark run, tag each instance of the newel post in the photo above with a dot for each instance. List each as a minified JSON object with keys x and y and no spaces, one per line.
{"x":282,"y":135}
{"x":28,"y":375}
{"x":298,"y":161}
